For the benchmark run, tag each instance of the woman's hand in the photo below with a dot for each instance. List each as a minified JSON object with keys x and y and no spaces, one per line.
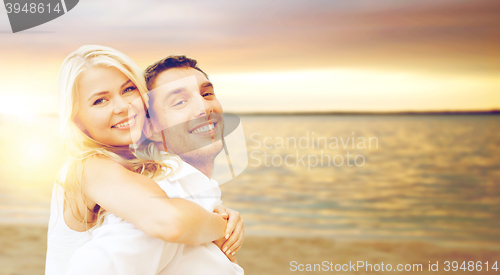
{"x":234,"y":234}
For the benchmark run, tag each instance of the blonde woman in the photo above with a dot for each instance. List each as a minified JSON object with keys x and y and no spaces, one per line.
{"x":99,"y":119}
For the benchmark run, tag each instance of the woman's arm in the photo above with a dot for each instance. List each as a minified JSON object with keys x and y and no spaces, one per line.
{"x":140,"y":201}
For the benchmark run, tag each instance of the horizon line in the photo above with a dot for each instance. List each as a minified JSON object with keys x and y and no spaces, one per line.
{"x":428,"y":112}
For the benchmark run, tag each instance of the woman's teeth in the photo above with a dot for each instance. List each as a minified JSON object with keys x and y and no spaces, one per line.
{"x":203,"y":129}
{"x":126,"y":123}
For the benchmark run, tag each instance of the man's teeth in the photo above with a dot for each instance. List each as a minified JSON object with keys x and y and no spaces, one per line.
{"x":203,"y":129}
{"x":126,"y":123}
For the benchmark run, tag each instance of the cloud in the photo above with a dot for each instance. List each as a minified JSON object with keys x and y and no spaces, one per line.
{"x":421,"y":35}
{"x":445,"y":38}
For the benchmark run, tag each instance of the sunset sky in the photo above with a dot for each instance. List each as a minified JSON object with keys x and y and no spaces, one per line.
{"x":280,"y":55}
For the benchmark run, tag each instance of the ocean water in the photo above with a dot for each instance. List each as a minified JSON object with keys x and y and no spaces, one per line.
{"x":431,"y":177}
{"x":418,"y":177}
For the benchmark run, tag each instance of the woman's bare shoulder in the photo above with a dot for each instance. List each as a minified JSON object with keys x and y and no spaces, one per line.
{"x":104,"y":174}
{"x":97,"y":166}
{"x":101,"y":161}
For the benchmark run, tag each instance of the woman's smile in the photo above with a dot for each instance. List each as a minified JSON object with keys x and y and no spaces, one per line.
{"x":125,"y":124}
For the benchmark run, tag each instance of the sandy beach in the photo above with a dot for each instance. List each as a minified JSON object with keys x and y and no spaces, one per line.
{"x":23,"y":247}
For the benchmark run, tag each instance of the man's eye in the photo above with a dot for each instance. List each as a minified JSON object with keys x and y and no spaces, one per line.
{"x":130,"y":89}
{"x":99,"y":101}
{"x":180,"y":102}
{"x":209,"y":95}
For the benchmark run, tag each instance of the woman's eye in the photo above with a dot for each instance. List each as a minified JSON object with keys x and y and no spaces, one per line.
{"x":130,"y":89}
{"x":99,"y":101}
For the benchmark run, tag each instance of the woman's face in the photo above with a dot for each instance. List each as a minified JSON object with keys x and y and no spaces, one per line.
{"x":108,"y":109}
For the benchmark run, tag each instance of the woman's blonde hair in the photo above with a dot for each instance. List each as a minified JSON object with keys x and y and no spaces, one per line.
{"x":80,"y":147}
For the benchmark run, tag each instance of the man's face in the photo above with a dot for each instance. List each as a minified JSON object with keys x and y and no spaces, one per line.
{"x":183,"y":104}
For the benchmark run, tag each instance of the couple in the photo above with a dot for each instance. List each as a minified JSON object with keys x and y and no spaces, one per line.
{"x":113,"y":212}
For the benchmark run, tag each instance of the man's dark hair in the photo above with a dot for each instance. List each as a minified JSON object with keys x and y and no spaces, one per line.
{"x":169,"y":62}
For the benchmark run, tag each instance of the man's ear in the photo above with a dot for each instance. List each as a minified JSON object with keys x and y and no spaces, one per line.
{"x":151,"y":133}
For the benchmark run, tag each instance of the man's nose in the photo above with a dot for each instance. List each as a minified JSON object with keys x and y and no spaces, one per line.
{"x":202,"y":107}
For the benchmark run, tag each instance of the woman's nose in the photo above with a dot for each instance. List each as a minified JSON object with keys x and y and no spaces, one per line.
{"x":121,"y":105}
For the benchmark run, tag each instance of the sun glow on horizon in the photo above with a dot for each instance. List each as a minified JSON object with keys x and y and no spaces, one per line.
{"x":313,"y":90}
{"x":30,"y":149}
{"x":26,"y":107}
{"x":353,"y":90}
{"x":35,"y":150}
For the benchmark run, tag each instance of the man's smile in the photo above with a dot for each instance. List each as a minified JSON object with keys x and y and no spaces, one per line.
{"x":204,"y":128}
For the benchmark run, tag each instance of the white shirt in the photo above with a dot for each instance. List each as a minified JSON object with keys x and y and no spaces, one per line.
{"x":118,"y":247}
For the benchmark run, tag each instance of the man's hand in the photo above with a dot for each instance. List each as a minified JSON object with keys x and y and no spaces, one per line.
{"x":234,"y":234}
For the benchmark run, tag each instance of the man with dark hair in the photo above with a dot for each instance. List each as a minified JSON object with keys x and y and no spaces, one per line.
{"x":169,"y":62}
{"x":187,"y":121}
{"x":185,"y":113}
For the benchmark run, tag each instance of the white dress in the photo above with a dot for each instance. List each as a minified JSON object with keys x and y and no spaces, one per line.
{"x":62,"y":241}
